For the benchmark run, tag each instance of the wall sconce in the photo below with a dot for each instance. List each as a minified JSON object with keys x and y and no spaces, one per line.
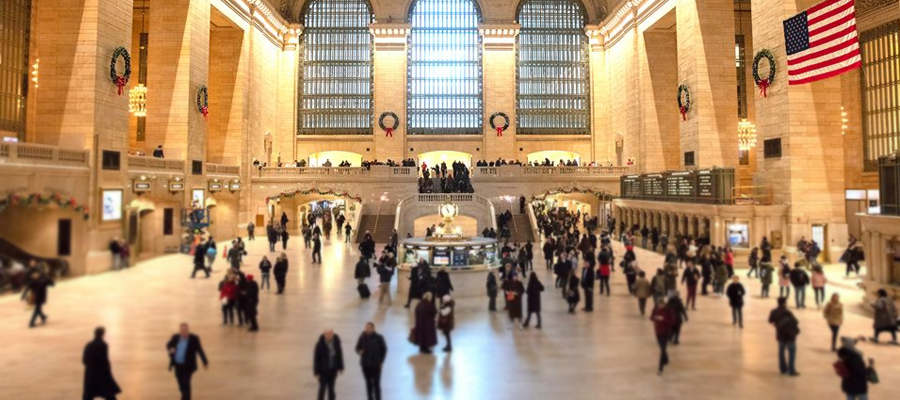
{"x":176,"y":185}
{"x":215,"y":185}
{"x":235,"y":185}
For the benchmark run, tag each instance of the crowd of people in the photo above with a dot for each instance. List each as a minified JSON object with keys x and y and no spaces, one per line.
{"x":457,"y":179}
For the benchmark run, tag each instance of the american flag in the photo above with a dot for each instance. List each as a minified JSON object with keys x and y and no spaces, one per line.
{"x":821,"y":42}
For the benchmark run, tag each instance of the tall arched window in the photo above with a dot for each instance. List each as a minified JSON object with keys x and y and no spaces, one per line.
{"x":336,"y":68}
{"x":444,"y":68}
{"x":15,"y":21}
{"x":552,"y":89}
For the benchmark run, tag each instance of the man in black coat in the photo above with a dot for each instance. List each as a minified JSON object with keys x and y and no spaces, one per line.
{"x":38,"y":289}
{"x":372,"y":351}
{"x":184,"y":348}
{"x":98,"y":378}
{"x":328,"y":362}
{"x":200,"y":260}
{"x":587,"y":283}
{"x":251,"y":300}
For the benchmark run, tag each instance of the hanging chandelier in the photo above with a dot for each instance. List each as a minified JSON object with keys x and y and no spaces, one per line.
{"x":746,"y":135}
{"x":137,"y":100}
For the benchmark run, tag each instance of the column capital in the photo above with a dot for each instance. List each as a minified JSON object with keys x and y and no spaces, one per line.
{"x":595,"y":37}
{"x":389,"y":35}
{"x":291,"y":37}
{"x":499,"y":36}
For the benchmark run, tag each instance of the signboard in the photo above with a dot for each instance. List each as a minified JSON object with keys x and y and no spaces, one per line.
{"x":141,"y":186}
{"x":112,"y":205}
{"x":705,"y":183}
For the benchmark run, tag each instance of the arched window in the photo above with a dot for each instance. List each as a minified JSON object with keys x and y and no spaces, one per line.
{"x":15,"y":20}
{"x":444,"y":68}
{"x":336,"y":68}
{"x":552,"y":88}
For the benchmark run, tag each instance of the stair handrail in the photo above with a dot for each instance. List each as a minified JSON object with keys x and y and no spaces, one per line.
{"x":533,"y":220}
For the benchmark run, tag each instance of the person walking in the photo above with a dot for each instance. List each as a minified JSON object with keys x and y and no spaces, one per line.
{"x":317,"y":249}
{"x":328,"y":362}
{"x":513,"y":292}
{"x":799,"y":279}
{"x":571,"y":287}
{"x":385,"y":272}
{"x":535,"y":287}
{"x":36,"y":294}
{"x":446,"y":320}
{"x":211,"y":252}
{"x":663,"y":320}
{"x":284,"y":220}
{"x":272,"y":235}
{"x":885,"y":316}
{"x":492,"y":289}
{"x":284,"y":238}
{"x":98,"y":377}
{"x":425,"y":332}
{"x":587,"y":284}
{"x":690,"y":278}
{"x":250,"y":303}
{"x":787,"y":328}
{"x":784,"y":278}
{"x":415,"y":282}
{"x":200,"y":260}
{"x":280,"y":271}
{"x":721,"y":275}
{"x":251,"y":231}
{"x":227,"y":296}
{"x":603,"y":273}
{"x":658,"y":286}
{"x":834,"y":316}
{"x":362,"y":271}
{"x":642,"y":291}
{"x":854,"y":374}
{"x":372,"y":352}
{"x":347,"y":231}
{"x":442,"y":281}
{"x":765,"y":273}
{"x":265,"y":267}
{"x":736,"y":294}
{"x":183,"y":348}
{"x":679,"y":311}
{"x":818,"y":283}
{"x":116,"y":250}
{"x":753,"y":262}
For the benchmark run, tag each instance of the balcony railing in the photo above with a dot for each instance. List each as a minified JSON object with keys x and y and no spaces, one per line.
{"x":155,"y":164}
{"x":584,"y":171}
{"x":505,"y":171}
{"x":222,"y":169}
{"x":38,"y":154}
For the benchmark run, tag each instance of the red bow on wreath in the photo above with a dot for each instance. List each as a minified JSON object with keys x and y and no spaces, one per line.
{"x":499,"y":131}
{"x":683,"y":110}
{"x":205,"y":111}
{"x":388,"y":132}
{"x":120,"y":82}
{"x":763,"y":85}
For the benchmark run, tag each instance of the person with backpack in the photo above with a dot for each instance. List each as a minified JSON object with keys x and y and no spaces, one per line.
{"x":736,"y":294}
{"x":642,"y":291}
{"x":799,"y":279}
{"x":753,"y":261}
{"x":679,"y":311}
{"x":787,"y":328}
{"x":855,"y":375}
{"x":885,"y":316}
{"x":765,"y":273}
{"x":663,"y":320}
{"x":784,"y":278}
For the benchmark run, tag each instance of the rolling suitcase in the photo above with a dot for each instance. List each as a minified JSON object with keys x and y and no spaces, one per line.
{"x":363,"y":290}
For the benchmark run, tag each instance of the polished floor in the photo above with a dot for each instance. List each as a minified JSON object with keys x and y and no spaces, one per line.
{"x":609,"y":354}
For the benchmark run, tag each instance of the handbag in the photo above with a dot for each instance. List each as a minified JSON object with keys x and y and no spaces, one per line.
{"x":510,"y":295}
{"x":224,"y":301}
{"x":872,"y":376}
{"x":841,"y":369}
{"x":412,"y":335}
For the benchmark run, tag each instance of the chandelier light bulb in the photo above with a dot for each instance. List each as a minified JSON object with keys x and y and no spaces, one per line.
{"x":746,"y":135}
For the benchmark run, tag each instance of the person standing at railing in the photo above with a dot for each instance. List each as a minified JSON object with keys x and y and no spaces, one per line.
{"x":158,"y":152}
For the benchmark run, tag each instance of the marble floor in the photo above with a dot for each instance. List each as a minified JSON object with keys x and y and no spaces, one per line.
{"x":610,"y":353}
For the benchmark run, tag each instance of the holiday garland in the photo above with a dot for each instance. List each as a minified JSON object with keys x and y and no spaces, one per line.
{"x":120,"y":81}
{"x":684,"y":101}
{"x":388,"y":130}
{"x":299,"y":192}
{"x":600,"y":194}
{"x":203,"y":101}
{"x":764,"y":83}
{"x":23,"y":200}
{"x":499,"y":129}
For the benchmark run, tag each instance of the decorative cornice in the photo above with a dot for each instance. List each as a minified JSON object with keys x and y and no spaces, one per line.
{"x":291,"y":38}
{"x":258,"y":14}
{"x":498,"y":36}
{"x":595,"y":37}
{"x":389,"y":36}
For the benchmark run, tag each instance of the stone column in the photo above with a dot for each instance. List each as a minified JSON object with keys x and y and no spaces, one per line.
{"x":660,"y":144}
{"x":706,"y":65}
{"x":807,"y":120}
{"x":499,"y":72}
{"x":390,"y":87}
{"x":602,"y":141}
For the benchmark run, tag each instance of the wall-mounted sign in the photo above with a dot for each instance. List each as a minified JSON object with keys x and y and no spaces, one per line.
{"x":197,"y":196}
{"x":141,"y":186}
{"x":111,"y":205}
{"x":235,"y":186}
{"x":215,"y":186}
{"x":176,"y":186}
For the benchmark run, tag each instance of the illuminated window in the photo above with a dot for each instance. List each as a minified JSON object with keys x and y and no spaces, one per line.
{"x":552,"y":69}
{"x":15,"y":18}
{"x":880,"y":80}
{"x":336,"y":68}
{"x":444,"y":68}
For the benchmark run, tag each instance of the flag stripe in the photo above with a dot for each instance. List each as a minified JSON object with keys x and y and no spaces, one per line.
{"x":842,"y":44}
{"x":826,"y":75}
{"x":824,"y":70}
{"x":844,"y":19}
{"x":815,"y":18}
{"x":822,"y":5}
{"x":853,"y":52}
{"x":831,"y":37}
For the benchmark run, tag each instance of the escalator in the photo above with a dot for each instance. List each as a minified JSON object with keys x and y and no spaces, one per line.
{"x":11,"y":254}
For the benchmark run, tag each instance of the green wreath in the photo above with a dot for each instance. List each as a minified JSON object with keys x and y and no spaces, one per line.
{"x":684,"y":101}
{"x":499,"y":129}
{"x":764,"y":83}
{"x":120,"y":81}
{"x":203,"y":101}
{"x":388,"y":130}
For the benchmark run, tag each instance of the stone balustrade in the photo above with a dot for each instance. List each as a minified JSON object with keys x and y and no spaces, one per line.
{"x":505,"y":171}
{"x":38,"y":154}
{"x":151,"y":164}
{"x":222,"y":169}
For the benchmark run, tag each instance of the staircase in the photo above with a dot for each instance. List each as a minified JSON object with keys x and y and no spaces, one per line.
{"x":520,"y":229}
{"x":380,"y":226}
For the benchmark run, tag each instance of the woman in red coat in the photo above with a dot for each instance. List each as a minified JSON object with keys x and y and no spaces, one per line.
{"x":663,"y":320}
{"x":227,"y":295}
{"x":425,"y":331}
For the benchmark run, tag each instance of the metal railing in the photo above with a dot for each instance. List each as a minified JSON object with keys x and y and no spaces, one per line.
{"x":39,"y":154}
{"x":758,"y":195}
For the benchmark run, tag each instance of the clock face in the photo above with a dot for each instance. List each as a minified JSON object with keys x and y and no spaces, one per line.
{"x":447,"y":210}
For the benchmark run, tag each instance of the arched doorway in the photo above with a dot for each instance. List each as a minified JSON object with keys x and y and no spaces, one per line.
{"x":433,"y":158}
{"x":335,"y":158}
{"x":555,"y":156}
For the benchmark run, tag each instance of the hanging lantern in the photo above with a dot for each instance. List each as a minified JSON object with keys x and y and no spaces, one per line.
{"x":746,"y":135}
{"x":137,"y":100}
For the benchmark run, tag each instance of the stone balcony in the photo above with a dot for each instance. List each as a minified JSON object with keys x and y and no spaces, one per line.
{"x":505,"y":173}
{"x":43,"y":155}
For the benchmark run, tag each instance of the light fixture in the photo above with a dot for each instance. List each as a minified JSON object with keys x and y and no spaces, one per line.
{"x":746,"y":135}
{"x":844,"y":121}
{"x":137,"y":100}
{"x":34,"y":71}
